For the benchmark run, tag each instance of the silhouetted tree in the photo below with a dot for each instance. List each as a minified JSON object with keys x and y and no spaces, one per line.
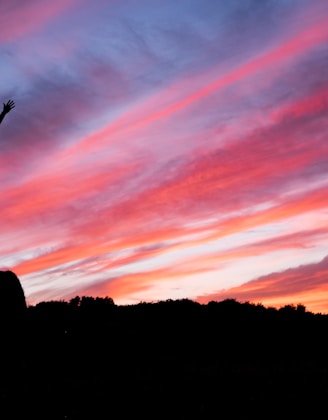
{"x":75,"y":302}
{"x":88,"y":355}
{"x":301,"y":308}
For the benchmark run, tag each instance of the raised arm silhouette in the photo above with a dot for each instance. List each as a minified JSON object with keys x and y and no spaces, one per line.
{"x":7,"y":108}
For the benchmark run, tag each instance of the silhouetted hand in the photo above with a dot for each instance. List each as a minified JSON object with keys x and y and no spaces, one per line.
{"x":8,"y":106}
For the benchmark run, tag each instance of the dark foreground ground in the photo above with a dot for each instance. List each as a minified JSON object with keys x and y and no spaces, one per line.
{"x":90,"y":358}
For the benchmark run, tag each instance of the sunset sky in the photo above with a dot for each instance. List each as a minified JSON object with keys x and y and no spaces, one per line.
{"x":166,"y":149}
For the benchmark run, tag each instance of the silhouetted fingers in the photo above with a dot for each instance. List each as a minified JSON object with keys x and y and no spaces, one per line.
{"x":9,"y":105}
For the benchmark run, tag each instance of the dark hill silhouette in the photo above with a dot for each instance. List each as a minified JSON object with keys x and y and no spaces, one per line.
{"x":178,"y":359}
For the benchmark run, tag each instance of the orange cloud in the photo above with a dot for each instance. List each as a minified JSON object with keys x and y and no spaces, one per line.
{"x":306,"y":285}
{"x":129,"y":285}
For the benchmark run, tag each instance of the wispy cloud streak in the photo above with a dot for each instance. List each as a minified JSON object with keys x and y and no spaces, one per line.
{"x":160,"y":152}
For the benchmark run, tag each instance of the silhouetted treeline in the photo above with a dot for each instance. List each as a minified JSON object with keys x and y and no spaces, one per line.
{"x":90,"y":358}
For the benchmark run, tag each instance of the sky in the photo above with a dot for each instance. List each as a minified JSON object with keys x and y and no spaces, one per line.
{"x":166,"y":150}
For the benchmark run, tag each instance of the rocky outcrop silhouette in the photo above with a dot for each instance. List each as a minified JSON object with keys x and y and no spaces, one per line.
{"x":13,"y":311}
{"x":12,"y":297}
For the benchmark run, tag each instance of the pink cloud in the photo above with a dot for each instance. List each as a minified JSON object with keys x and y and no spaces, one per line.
{"x":100,"y":206}
{"x":126,"y":217}
{"x":143,"y":115}
{"x":313,"y":104}
{"x":299,"y":44}
{"x":204,"y":182}
{"x":27,"y":18}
